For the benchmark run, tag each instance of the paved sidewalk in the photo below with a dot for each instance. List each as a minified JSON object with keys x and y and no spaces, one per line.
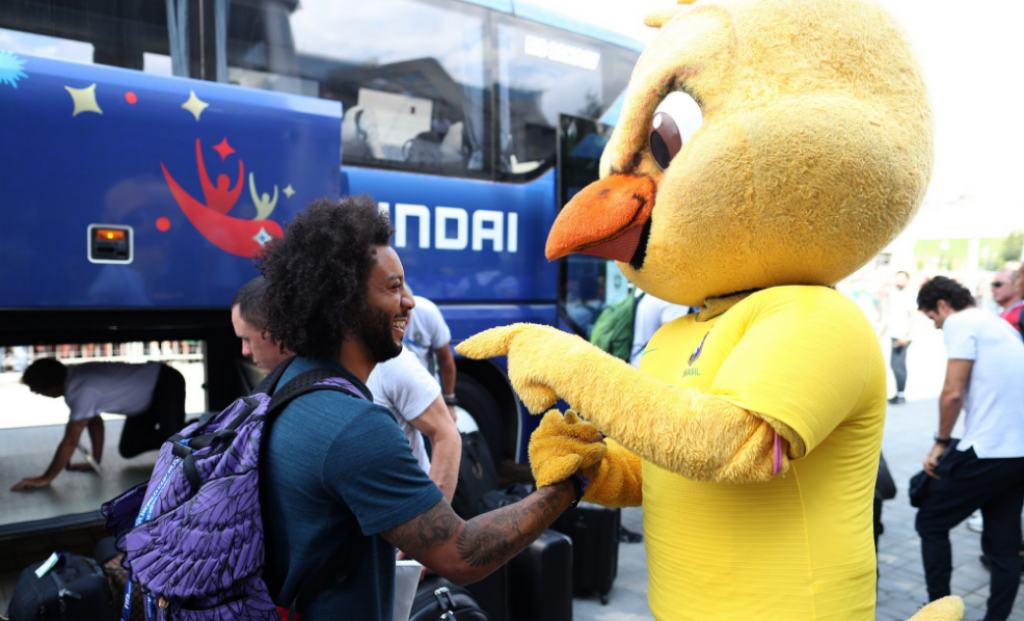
{"x":901,"y":590}
{"x":908,"y":432}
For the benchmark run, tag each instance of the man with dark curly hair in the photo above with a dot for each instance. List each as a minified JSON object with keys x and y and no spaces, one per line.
{"x":337,"y":467}
{"x":985,"y":470}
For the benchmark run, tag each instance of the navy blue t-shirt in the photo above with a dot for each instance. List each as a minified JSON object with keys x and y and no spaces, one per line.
{"x":334,"y":462}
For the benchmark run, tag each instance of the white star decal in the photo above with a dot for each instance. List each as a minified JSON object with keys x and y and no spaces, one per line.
{"x":262,"y":237}
{"x":195,"y":105}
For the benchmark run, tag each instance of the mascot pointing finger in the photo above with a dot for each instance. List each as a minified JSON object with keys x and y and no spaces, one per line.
{"x":766,"y":150}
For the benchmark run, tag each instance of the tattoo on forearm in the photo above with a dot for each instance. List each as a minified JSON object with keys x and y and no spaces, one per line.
{"x":433,"y":528}
{"x":497,"y":536}
{"x":489,"y":539}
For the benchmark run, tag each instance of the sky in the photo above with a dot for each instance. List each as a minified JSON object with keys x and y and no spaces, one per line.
{"x":972,"y":55}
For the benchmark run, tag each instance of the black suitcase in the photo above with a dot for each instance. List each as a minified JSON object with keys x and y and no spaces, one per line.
{"x":477,"y":476}
{"x":438,"y":599}
{"x":75,"y":589}
{"x":542,"y":579}
{"x":594,"y":531}
{"x":493,"y":594}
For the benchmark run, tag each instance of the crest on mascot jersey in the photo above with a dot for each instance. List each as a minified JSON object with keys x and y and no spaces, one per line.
{"x":700,"y":348}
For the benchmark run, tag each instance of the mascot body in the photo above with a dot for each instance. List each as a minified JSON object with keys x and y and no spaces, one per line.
{"x":802,"y":539}
{"x":766,"y":150}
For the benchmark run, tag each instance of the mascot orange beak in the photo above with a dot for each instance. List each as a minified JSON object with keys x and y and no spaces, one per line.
{"x":605,"y":219}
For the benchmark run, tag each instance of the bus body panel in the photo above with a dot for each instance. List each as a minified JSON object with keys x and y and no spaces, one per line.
{"x":465,"y":241}
{"x":88,"y":144}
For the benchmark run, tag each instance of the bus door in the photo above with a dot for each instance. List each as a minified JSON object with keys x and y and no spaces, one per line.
{"x":586,"y":284}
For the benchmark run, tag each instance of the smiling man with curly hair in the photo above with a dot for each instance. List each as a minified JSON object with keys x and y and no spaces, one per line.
{"x":337,"y":468}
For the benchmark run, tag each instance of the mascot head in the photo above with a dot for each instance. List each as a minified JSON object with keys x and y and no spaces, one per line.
{"x":761,"y":143}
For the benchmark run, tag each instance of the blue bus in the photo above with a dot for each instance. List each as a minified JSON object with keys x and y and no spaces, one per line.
{"x":151,"y":148}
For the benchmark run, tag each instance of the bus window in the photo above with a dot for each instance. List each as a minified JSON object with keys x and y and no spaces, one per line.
{"x":123,"y":34}
{"x":409,"y":73}
{"x":588,"y":283}
{"x":544,"y":72}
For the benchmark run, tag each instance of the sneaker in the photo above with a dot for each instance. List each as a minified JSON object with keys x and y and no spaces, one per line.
{"x":975,"y":523}
{"x":897,"y":400}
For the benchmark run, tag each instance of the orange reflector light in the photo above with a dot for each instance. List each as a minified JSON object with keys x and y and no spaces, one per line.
{"x":110,"y":234}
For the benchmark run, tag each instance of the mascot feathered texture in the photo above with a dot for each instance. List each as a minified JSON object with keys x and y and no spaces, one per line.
{"x":766,"y":150}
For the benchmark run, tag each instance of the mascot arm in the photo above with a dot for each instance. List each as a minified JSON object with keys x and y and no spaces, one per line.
{"x":777,"y":379}
{"x":699,"y":436}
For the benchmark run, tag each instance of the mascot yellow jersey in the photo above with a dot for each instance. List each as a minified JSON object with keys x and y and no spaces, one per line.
{"x":732,"y":551}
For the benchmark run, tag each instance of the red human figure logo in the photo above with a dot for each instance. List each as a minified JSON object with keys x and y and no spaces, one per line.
{"x":222,"y":197}
{"x":239,"y":237}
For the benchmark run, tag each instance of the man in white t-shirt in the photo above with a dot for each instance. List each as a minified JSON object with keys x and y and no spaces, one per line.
{"x":403,"y":386}
{"x":651,"y":314}
{"x":428,"y":336}
{"x":249,"y":321}
{"x":151,"y":396}
{"x":986,"y":469}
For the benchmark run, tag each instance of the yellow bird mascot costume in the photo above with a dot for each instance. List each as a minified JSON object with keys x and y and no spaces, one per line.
{"x":766,"y":150}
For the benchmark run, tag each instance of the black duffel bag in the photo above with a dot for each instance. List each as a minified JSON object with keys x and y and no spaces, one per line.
{"x":477,"y":476}
{"x":74,"y":589}
{"x":437,"y":599}
{"x":498,"y":498}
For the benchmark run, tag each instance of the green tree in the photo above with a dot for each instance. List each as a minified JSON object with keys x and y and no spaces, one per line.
{"x":1013,"y":245}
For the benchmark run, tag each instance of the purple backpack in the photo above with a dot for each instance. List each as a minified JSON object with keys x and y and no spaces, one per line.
{"x":193,"y":535}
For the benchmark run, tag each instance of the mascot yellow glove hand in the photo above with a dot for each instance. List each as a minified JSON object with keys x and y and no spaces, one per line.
{"x":617,"y":481}
{"x":561,"y":445}
{"x":949,"y":608}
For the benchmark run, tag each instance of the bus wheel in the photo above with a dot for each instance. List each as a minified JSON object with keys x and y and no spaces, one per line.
{"x":475,"y":399}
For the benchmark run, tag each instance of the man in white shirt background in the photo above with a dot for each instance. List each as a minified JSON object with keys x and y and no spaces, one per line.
{"x":150,"y":395}
{"x":403,"y":386}
{"x":986,"y":469}
{"x":249,"y":321}
{"x":429,"y":338}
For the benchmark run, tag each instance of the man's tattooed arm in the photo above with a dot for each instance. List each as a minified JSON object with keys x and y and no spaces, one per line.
{"x":465,"y":552}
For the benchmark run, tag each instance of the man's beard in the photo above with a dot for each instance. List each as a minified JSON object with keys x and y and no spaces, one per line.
{"x":374,"y":328}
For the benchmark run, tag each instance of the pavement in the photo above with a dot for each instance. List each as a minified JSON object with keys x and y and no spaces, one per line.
{"x":901,"y":591}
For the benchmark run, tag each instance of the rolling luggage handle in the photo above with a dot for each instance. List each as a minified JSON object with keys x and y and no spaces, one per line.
{"x":441,"y":594}
{"x":62,"y":590}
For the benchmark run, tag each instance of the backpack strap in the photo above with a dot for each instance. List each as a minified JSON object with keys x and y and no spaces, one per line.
{"x":312,"y":381}
{"x":269,"y":383}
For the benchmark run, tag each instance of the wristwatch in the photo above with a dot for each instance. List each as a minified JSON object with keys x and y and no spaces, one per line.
{"x":451,"y":400}
{"x":942,"y":441}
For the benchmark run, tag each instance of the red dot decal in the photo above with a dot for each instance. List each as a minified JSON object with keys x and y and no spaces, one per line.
{"x":163,"y":224}
{"x":131,"y":98}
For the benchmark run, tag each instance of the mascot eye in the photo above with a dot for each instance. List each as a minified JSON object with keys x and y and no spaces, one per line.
{"x":676,"y":119}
